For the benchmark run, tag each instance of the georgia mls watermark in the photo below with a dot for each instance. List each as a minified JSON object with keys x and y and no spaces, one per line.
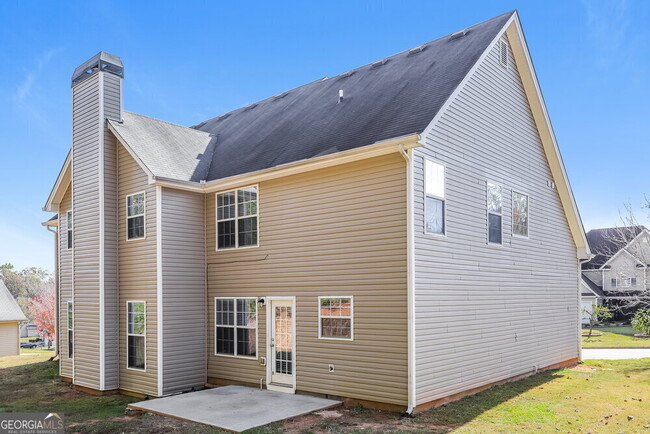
{"x":31,"y":423}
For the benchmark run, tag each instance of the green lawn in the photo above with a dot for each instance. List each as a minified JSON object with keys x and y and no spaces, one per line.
{"x":615,"y":336}
{"x":599,"y":396}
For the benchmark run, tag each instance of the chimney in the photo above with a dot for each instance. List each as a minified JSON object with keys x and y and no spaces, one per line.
{"x":96,"y":96}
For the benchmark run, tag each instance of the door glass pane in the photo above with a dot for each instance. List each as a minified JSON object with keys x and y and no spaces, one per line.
{"x":283,"y":340}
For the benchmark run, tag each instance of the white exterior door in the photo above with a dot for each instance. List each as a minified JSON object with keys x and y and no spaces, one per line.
{"x":587,"y":308}
{"x":282,"y":345}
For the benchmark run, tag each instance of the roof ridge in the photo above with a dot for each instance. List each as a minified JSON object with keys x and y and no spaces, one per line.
{"x":352,"y":71}
{"x":166,"y":122}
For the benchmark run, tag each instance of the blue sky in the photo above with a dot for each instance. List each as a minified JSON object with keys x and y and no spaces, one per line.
{"x":186,"y":61}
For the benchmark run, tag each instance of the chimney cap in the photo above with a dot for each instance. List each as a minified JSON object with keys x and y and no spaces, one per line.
{"x":101,"y":61}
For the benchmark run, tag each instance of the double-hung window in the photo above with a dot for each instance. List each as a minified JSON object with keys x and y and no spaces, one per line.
{"x":69,"y":227}
{"x":434,"y":189}
{"x":70,"y":330}
{"x":237,"y":218}
{"x":135,"y":209}
{"x":495,"y":213}
{"x":519,"y":214}
{"x":335,"y":318}
{"x":136,"y":328}
{"x":235,"y":326}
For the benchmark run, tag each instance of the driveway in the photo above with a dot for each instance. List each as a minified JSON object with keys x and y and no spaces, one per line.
{"x":234,"y":408}
{"x":615,"y":353}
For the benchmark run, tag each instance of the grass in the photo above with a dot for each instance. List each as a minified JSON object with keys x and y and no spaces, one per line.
{"x":615,"y":336}
{"x":596,"y":397}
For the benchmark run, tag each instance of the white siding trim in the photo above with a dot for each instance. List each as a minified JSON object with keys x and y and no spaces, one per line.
{"x":159,"y":284}
{"x":102,"y":307}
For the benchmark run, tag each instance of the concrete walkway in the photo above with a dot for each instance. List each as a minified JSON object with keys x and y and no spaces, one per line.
{"x":234,"y":408}
{"x":615,"y":353}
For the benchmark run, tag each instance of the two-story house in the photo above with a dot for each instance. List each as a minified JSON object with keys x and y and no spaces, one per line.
{"x":617,"y":275}
{"x":398,"y":235}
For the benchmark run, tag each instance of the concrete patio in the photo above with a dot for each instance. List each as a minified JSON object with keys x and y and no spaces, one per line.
{"x":234,"y":408}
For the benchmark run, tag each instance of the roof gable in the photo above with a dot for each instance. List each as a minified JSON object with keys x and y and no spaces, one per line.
{"x":605,"y":243}
{"x":9,"y":309}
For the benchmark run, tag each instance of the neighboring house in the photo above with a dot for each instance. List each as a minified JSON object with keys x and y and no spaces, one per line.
{"x":396,"y":235}
{"x":617,"y":275}
{"x":10,"y":318}
{"x":28,"y":330}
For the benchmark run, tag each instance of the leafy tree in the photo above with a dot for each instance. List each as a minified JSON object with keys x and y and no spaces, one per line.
{"x":641,"y":321}
{"x":597,"y":313}
{"x":41,"y":308}
{"x":26,"y":283}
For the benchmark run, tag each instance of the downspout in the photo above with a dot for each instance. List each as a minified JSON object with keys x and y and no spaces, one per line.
{"x":410,"y":271}
{"x":58,"y":295}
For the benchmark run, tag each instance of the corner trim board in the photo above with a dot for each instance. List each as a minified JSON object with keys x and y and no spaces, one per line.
{"x":159,"y":288}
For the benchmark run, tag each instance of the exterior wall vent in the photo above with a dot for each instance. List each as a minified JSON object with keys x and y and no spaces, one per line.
{"x":503,"y":53}
{"x":458,"y":34}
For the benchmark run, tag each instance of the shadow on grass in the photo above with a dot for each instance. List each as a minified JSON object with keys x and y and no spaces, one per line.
{"x":467,"y":409}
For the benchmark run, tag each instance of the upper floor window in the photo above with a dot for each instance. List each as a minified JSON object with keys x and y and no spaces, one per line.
{"x":70,"y":330}
{"x":69,"y":228}
{"x":434,"y":189}
{"x":495,"y":213}
{"x":519,"y":214}
{"x":237,"y":218}
{"x":135,"y":209}
{"x":235,"y":326}
{"x":623,"y":281}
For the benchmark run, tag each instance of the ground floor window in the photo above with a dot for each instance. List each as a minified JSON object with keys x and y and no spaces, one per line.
{"x":335,"y":318}
{"x":135,"y":334}
{"x":235,"y":326}
{"x":70,"y":330}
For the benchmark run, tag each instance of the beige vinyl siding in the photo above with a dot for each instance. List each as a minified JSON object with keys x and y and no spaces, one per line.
{"x":183,"y":268}
{"x":9,"y":339}
{"x":85,"y":183}
{"x":485,"y":312}
{"x":137,"y":274}
{"x":112,"y":108}
{"x":333,"y":231}
{"x":65,"y":284}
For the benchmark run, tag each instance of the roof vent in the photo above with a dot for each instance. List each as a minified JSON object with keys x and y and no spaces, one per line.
{"x":458,"y":34}
{"x":282,"y":95}
{"x":340,"y":95}
{"x":346,"y":74}
{"x":220,"y":118}
{"x":416,"y":50}
{"x":503,"y":53}
{"x":250,"y":107}
{"x":379,"y":63}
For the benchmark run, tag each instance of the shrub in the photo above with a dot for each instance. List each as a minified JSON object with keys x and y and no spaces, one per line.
{"x":641,"y":321}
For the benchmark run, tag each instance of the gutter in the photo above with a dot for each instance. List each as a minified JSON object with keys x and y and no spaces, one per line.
{"x":410,"y":257}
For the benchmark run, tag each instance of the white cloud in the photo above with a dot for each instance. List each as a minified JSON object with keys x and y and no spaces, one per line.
{"x":23,"y":90}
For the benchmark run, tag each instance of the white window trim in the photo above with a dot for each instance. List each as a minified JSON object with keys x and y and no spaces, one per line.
{"x":133,"y":334}
{"x":512,"y":223}
{"x":443,"y":199}
{"x":69,"y":227}
{"x":320,"y":330}
{"x":70,"y":306}
{"x":235,"y":327}
{"x":144,"y":214}
{"x":236,"y":219}
{"x":488,"y":212}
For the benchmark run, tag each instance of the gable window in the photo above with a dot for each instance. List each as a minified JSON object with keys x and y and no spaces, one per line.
{"x":237,"y":218}
{"x":335,"y":318}
{"x":70,"y":330}
{"x":495,"y":213}
{"x":135,"y":209}
{"x":136,"y":328}
{"x":434,"y":206}
{"x":69,"y":228}
{"x":235,"y":322}
{"x":519,"y":214}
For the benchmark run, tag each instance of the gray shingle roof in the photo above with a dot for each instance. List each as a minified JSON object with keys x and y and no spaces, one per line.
{"x":393,"y":97}
{"x":167,"y":150}
{"x":606,"y":242}
{"x":591,"y":285}
{"x":9,"y":309}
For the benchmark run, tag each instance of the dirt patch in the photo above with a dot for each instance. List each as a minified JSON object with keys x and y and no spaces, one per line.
{"x":584,"y":368}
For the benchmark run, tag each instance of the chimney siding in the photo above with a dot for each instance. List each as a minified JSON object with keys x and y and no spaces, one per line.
{"x":94,"y":187}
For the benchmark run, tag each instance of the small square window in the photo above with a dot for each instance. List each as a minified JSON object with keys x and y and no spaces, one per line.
{"x":335,"y":318}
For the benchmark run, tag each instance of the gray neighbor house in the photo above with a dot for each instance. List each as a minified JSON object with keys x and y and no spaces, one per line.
{"x":399,"y":235}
